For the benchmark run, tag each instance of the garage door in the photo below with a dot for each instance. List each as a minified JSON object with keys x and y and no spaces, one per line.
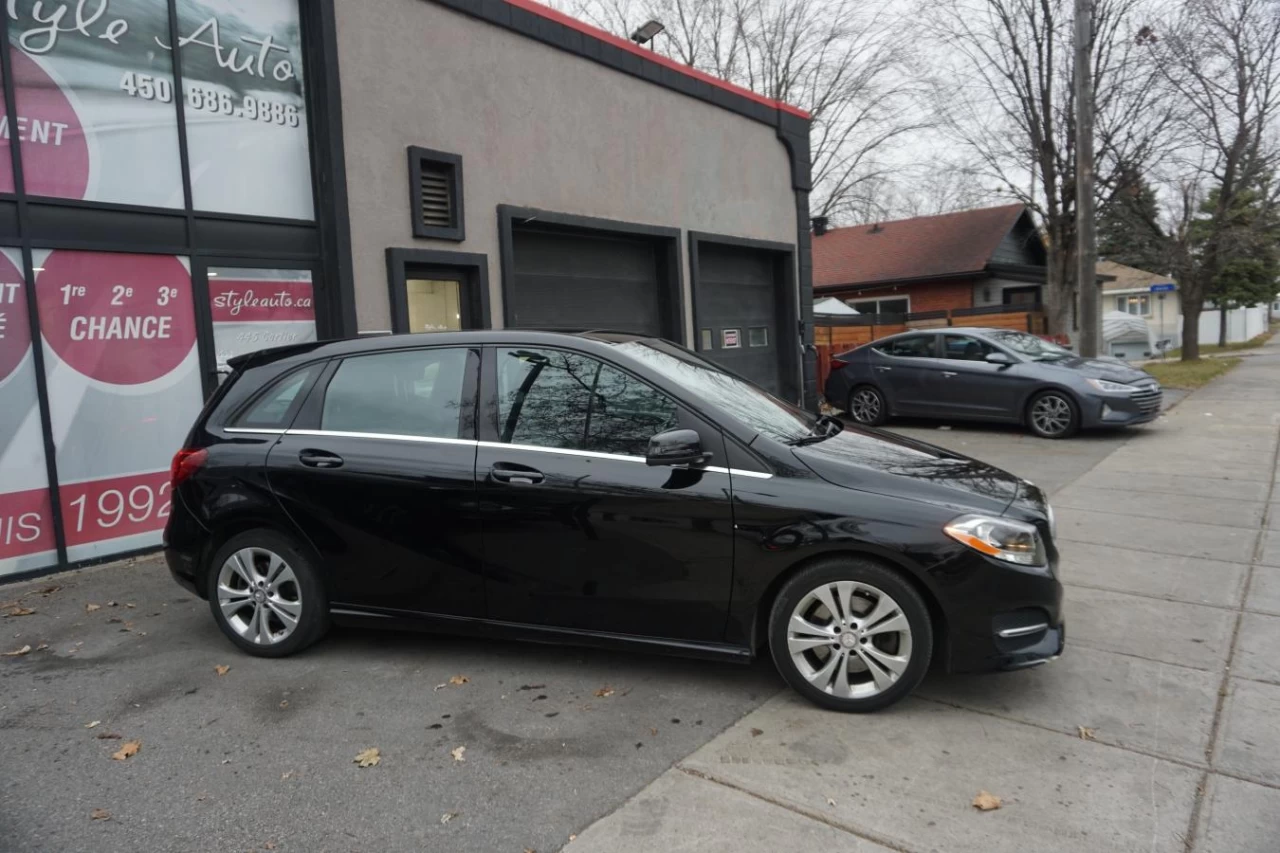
{"x":737,"y":294}
{"x":574,"y":282}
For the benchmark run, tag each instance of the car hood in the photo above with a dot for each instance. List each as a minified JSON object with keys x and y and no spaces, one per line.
{"x":874,"y":461}
{"x":1096,"y":368}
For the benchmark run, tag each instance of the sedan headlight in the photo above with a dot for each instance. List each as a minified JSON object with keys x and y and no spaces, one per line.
{"x":1109,"y":387}
{"x":1003,"y":538}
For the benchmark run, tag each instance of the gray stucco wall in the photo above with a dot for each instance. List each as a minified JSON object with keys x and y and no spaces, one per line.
{"x":536,"y":127}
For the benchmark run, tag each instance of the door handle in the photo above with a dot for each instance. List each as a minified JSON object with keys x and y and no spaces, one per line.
{"x":320,"y":459}
{"x":882,"y":368}
{"x":509,"y":472}
{"x":948,"y":373}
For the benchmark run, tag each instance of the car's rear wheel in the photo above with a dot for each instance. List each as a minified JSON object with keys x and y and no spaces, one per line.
{"x":1053,"y":414}
{"x":266,"y":595}
{"x":867,"y":406}
{"x":850,"y":634}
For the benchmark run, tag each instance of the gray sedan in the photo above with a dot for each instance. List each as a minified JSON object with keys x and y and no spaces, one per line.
{"x":989,"y":375}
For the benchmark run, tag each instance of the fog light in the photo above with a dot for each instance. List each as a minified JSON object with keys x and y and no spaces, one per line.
{"x":1106,"y":411}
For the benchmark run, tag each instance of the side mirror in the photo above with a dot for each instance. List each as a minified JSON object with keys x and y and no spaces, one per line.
{"x":999,"y":358}
{"x":676,"y":447}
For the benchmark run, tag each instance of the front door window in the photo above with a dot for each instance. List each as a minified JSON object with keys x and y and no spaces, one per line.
{"x":435,"y":305}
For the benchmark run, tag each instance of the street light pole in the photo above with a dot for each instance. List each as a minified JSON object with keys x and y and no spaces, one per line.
{"x":1086,"y":234}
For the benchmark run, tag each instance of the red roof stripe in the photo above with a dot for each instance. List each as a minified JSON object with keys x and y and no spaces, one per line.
{"x":925,"y":247}
{"x":631,"y":47}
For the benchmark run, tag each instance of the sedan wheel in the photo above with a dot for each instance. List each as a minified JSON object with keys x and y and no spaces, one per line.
{"x":1052,"y":415}
{"x":851,"y":634}
{"x":867,"y":406}
{"x":265,"y":594}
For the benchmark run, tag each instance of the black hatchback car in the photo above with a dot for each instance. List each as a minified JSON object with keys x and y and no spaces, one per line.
{"x":604,"y":489}
{"x":998,"y":375}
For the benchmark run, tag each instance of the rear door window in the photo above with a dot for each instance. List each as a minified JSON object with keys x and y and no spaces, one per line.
{"x":411,"y":392}
{"x":913,"y":346}
{"x":276,"y":407}
{"x":965,"y":348}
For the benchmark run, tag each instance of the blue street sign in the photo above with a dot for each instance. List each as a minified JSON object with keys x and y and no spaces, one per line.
{"x":1163,"y":288}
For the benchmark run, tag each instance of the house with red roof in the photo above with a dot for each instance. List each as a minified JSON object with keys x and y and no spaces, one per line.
{"x":969,"y":259}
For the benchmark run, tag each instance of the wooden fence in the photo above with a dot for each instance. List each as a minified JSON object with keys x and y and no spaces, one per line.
{"x":833,"y":336}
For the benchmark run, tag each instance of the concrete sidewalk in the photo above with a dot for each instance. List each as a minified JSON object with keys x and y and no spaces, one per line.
{"x":1171,"y":557}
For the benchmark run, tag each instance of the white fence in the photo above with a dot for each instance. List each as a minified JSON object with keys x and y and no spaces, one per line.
{"x":1242,"y":324}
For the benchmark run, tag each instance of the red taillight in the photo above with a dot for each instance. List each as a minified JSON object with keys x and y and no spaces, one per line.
{"x":185,"y":463}
{"x":837,"y":363}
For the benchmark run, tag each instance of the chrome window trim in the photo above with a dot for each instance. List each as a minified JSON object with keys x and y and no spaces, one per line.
{"x":385,"y":436}
{"x":496,"y":445}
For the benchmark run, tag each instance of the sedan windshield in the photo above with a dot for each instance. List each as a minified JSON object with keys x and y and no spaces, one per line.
{"x":1037,"y":349}
{"x":753,"y":406}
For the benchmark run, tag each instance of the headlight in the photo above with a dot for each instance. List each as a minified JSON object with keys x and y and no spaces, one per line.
{"x":1110,"y":387}
{"x":1002,"y":538}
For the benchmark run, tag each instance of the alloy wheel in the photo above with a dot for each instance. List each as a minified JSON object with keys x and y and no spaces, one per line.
{"x":849,"y":639}
{"x":259,"y":596}
{"x":1051,"y":415}
{"x":865,"y":405}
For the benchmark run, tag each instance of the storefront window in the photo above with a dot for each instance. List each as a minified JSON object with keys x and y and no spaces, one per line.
{"x":124,"y":386}
{"x":258,"y":308}
{"x":26,"y":519}
{"x":94,"y":95}
{"x":434,"y":305}
{"x":245,"y":107}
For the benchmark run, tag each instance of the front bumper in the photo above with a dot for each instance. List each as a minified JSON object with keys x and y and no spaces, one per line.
{"x":1139,"y":407}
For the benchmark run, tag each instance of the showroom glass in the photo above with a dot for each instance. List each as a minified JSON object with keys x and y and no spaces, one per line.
{"x":96,"y":114}
{"x":552,"y":398}
{"x":123,"y":375}
{"x":916,"y":346}
{"x":245,"y":110}
{"x":434,"y":304}
{"x":965,"y":348}
{"x":275,"y":408}
{"x":26,"y":512}
{"x":415,"y":392}
{"x":754,"y":407}
{"x":256,"y":308}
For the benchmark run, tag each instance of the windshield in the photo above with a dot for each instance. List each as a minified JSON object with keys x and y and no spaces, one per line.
{"x":753,"y":406}
{"x":1037,"y":349}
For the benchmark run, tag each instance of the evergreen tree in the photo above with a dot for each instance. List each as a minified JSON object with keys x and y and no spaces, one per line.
{"x":1128,"y":232}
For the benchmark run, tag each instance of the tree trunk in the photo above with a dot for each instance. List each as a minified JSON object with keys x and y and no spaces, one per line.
{"x":1222,"y":325}
{"x":1191,"y":331}
{"x":1058,"y":296}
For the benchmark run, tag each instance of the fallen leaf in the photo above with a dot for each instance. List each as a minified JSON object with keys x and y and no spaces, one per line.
{"x":270,"y":845}
{"x":573,"y":837}
{"x":108,"y":736}
{"x":89,"y":608}
{"x":221,"y":669}
{"x":986,"y":802}
{"x":286,"y":775}
{"x":127,"y":750}
{"x":19,"y":652}
{"x":131,"y":605}
{"x":284,"y":703}
{"x":448,"y":816}
{"x":604,"y":692}
{"x":111,"y":604}
{"x":99,"y":814}
{"x":1086,"y":733}
{"x":830,"y":801}
{"x":42,"y":647}
{"x":530,"y":850}
{"x":457,"y":751}
{"x":50,"y":590}
{"x":93,"y":725}
{"x":653,"y":731}
{"x":440,"y":686}
{"x":757,"y":732}
{"x":459,"y":679}
{"x":369,"y":758}
{"x":20,"y":611}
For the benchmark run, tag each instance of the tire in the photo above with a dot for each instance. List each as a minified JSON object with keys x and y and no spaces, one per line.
{"x":296,"y":588}
{"x":867,"y":406}
{"x":801,"y":659}
{"x":1053,"y":407}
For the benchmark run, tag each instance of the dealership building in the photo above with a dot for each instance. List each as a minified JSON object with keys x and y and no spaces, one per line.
{"x":182,"y":181}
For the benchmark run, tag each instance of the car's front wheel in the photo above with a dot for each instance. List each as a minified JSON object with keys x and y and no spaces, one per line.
{"x":850,"y":634}
{"x":867,"y":406}
{"x":266,"y":595}
{"x":1053,"y":414}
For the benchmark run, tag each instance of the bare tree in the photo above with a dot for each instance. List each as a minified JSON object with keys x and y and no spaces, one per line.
{"x":847,"y":63}
{"x":1005,"y":91}
{"x":1222,"y":58}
